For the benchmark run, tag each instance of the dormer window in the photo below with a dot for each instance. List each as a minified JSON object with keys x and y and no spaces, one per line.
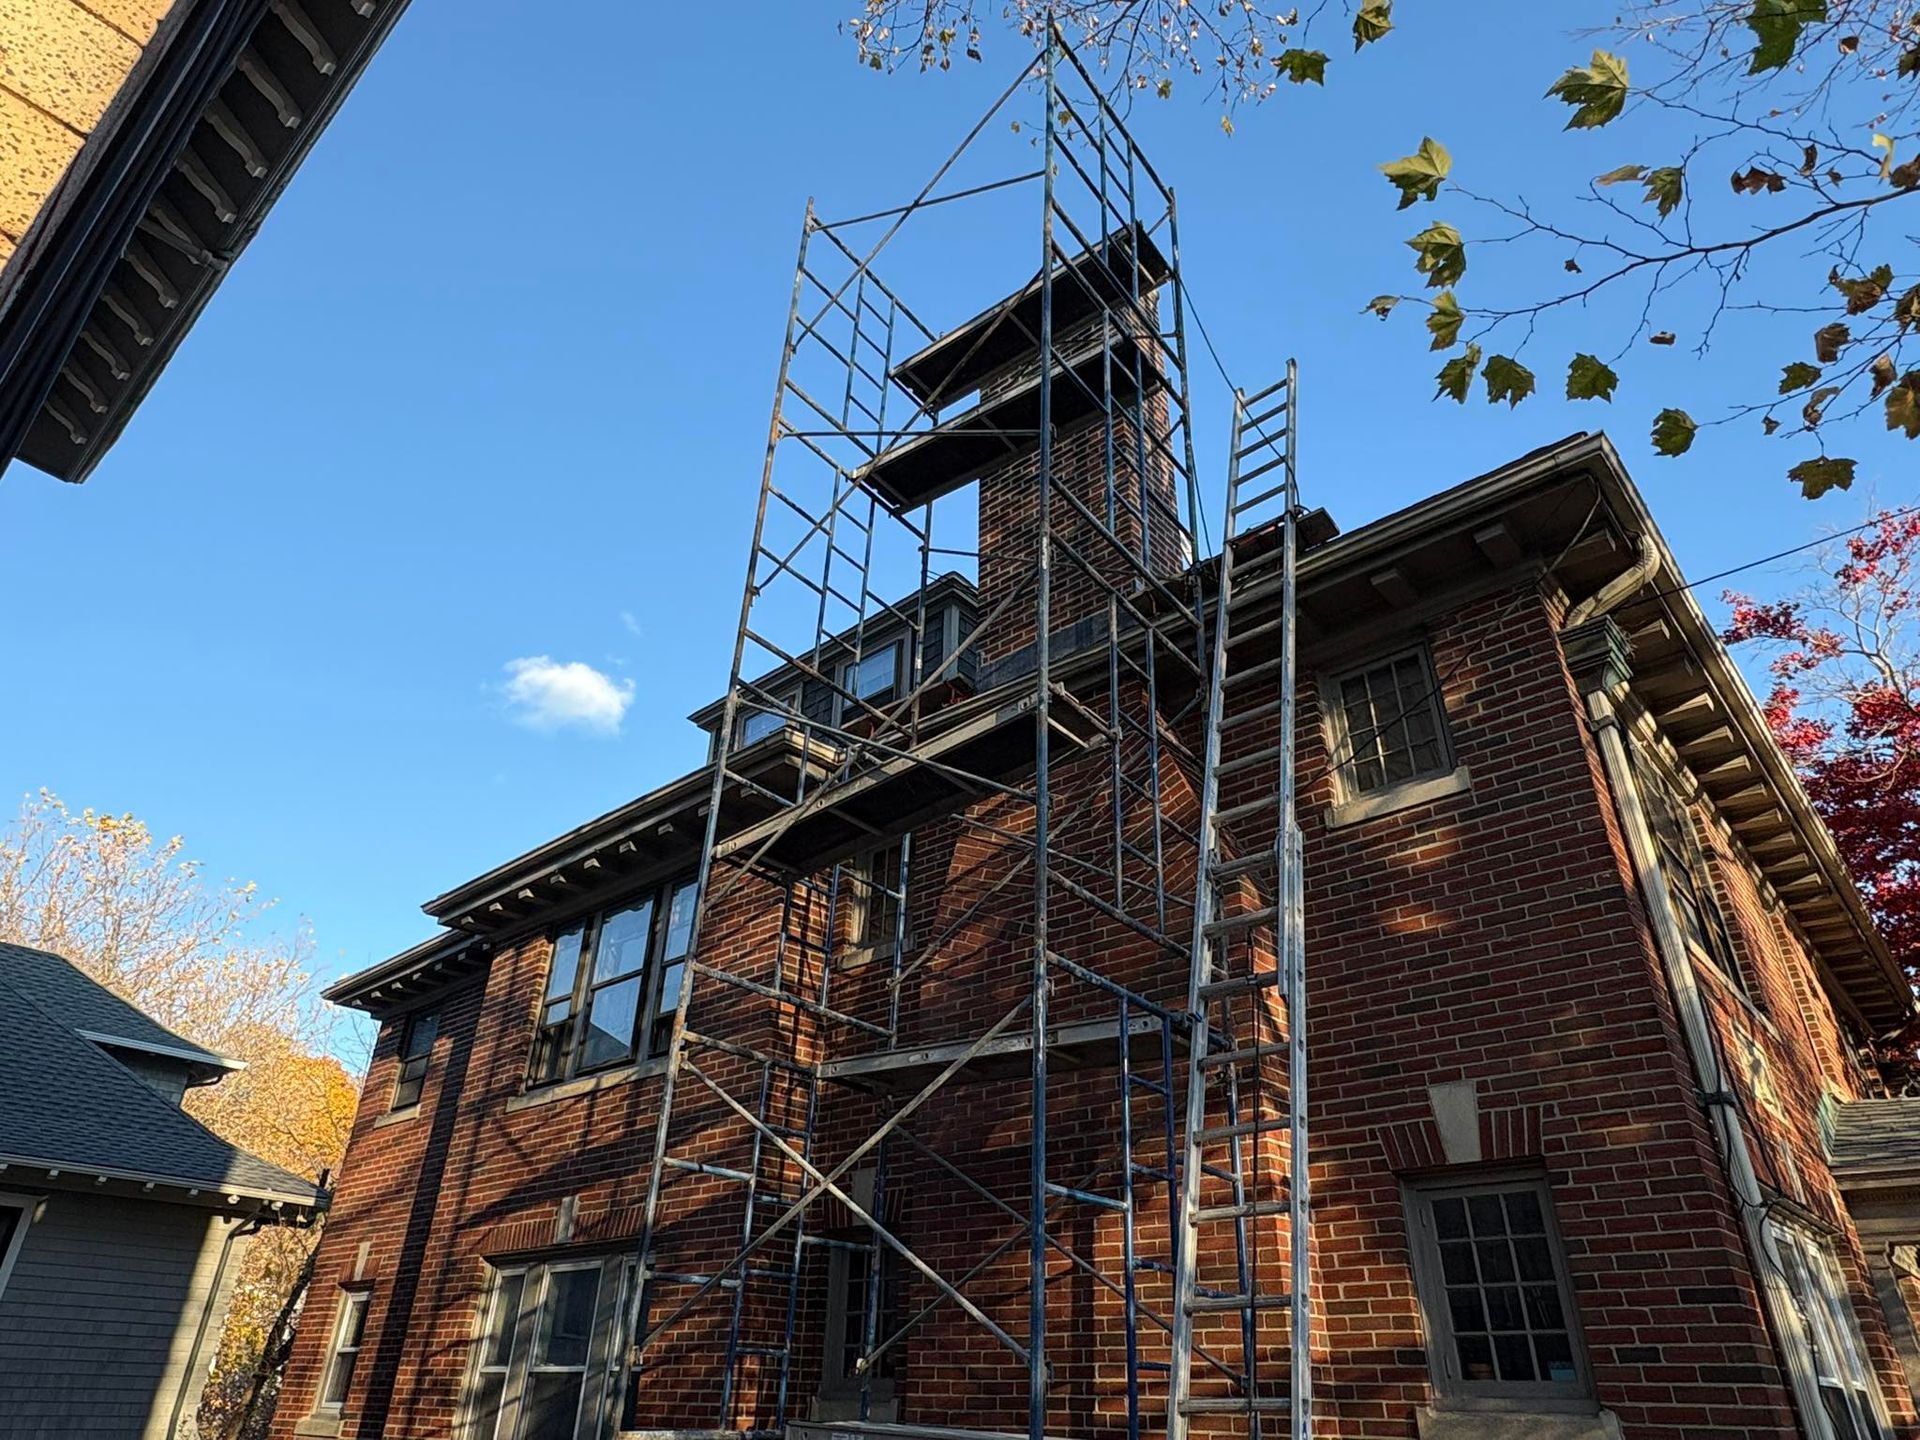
{"x":873,"y":678}
{"x":757,"y":723}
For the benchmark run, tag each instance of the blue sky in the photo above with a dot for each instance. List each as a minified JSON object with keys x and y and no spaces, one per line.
{"x":492,"y":386}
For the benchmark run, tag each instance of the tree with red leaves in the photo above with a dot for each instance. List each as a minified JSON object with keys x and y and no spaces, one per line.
{"x":1845,"y":706}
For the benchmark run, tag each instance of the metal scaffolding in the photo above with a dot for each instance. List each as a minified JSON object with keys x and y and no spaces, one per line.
{"x":1050,"y":731}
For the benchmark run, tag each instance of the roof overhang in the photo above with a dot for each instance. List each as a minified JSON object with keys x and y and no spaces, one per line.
{"x":432,"y":966}
{"x":284,"y":1205}
{"x":203,"y":1066}
{"x":210,"y":127}
{"x":1876,"y":1144}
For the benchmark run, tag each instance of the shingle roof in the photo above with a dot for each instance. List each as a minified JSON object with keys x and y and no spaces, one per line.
{"x":87,"y":1113}
{"x":1877,"y":1138}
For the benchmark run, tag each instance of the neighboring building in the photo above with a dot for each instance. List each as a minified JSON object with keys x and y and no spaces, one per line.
{"x":122,"y":1218}
{"x":146,"y":141}
{"x":1591,"y":998}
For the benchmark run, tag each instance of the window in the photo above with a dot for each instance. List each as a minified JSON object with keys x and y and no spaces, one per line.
{"x":874,"y":677}
{"x":1829,"y":1335}
{"x":613,"y":984}
{"x":862,"y":1312}
{"x":16,"y":1213}
{"x":1494,"y":1287}
{"x":871,"y":891}
{"x":1388,"y":725}
{"x":344,"y":1353}
{"x":541,"y":1352}
{"x":1683,"y":864}
{"x":757,"y":723}
{"x":416,"y":1051}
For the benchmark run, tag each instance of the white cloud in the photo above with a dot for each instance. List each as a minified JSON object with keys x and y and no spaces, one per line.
{"x":548,"y":694}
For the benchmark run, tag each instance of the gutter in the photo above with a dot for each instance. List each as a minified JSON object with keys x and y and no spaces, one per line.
{"x":312,"y":1200}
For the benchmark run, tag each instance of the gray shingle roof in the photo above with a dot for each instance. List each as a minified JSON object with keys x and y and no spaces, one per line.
{"x":71,"y":1106}
{"x":1876,"y":1138}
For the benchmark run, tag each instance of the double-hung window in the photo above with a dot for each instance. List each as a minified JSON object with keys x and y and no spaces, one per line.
{"x":416,"y":1054}
{"x":873,"y":678}
{"x":539,"y":1364}
{"x":871,"y":890}
{"x":613,"y":983}
{"x":343,"y":1351}
{"x":1829,"y":1336}
{"x":757,"y":723}
{"x":1494,"y":1287}
{"x":1388,"y":726}
{"x":1683,"y":864}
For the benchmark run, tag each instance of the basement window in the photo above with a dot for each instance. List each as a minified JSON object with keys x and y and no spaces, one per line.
{"x":1494,"y":1288}
{"x":416,"y":1055}
{"x":1387,"y":725}
{"x":612,"y":985}
{"x":1683,"y":864}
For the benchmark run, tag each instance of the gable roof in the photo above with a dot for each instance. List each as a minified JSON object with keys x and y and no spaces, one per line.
{"x":87,"y":1113}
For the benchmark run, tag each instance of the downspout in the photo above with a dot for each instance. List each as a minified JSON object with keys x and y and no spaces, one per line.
{"x":1617,"y":589}
{"x":1597,"y":655}
{"x":252,"y":1225}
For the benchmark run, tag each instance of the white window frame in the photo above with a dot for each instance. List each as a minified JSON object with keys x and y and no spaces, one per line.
{"x":1662,"y":797}
{"x":785,"y":710}
{"x":850,"y":679}
{"x":502,"y":1425}
{"x":1340,"y":740}
{"x":857,"y":893}
{"x":597,"y":1374}
{"x":27,"y":1205}
{"x":1832,"y":1352}
{"x":350,"y":1300}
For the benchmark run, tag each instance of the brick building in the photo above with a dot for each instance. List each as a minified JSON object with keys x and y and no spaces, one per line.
{"x":1586,"y":850}
{"x":942,"y":1056}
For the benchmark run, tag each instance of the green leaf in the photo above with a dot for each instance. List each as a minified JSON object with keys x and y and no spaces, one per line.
{"x":1909,"y":63}
{"x":1373,"y":21}
{"x":1829,"y":341}
{"x":1457,"y":374}
{"x":1903,"y":405}
{"x":1673,"y":432}
{"x":1418,"y":175}
{"x":1597,"y":93}
{"x":1440,"y":254}
{"x":1776,"y":26}
{"x":1507,"y":379}
{"x":1798,"y":376}
{"x":1620,"y":173}
{"x":1823,"y":473}
{"x":1444,"y":321}
{"x":1865,"y":291}
{"x":1300,"y":66}
{"x":1665,"y":188}
{"x":1381,"y":305}
{"x":1590,"y":378}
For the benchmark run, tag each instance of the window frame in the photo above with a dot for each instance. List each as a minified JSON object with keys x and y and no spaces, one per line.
{"x":1687,"y":868}
{"x":1451,"y":1388}
{"x":508,"y":1403}
{"x":644,"y":1042}
{"x":350,"y":1300}
{"x":15,"y":1239}
{"x":785,"y":709}
{"x":851,"y":700}
{"x":860,"y":911}
{"x":597,"y":1372}
{"x":1339,"y":737}
{"x":420,"y":1065}
{"x":837,"y":1383}
{"x":1829,"y":1333}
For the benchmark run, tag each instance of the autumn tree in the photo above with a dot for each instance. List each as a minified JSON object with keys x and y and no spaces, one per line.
{"x":1789,"y":149}
{"x":145,"y":921}
{"x":1845,"y":706}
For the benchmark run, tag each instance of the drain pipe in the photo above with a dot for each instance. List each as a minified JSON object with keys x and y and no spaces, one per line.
{"x":1608,"y":596}
{"x":1596,"y":652}
{"x":252,"y":1225}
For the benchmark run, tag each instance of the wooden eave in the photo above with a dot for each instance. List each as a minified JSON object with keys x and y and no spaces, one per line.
{"x":413,"y":976}
{"x":285,"y":76}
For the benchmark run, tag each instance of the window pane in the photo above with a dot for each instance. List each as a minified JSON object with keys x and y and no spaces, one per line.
{"x":421,"y":1030}
{"x":550,"y":1047}
{"x":1450,"y":1218}
{"x":680,"y":919}
{"x":621,"y":946}
{"x":874,"y":674}
{"x":1487,"y":1215}
{"x":758,"y":724}
{"x":1523,"y":1214}
{"x":498,"y":1341}
{"x":1496,"y":1261}
{"x":487,"y":1387}
{"x":1456,"y":1264}
{"x":412,"y":1079}
{"x":1465,"y":1312}
{"x":552,"y":1406}
{"x":340,"y":1377}
{"x":1515,"y":1356}
{"x":566,"y":1318}
{"x":355,"y":1323}
{"x":608,"y":1036}
{"x":1505,"y":1311}
{"x":566,"y":963}
{"x":1840,"y":1413}
{"x":1476,"y":1357}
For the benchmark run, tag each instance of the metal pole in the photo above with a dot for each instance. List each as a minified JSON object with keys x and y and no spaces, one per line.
{"x":1293,"y":895}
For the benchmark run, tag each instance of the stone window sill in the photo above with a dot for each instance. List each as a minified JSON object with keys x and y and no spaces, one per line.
{"x":397,"y":1117}
{"x":1400,"y":797}
{"x":588,"y":1084}
{"x":1500,"y":1420}
{"x":324,"y":1426}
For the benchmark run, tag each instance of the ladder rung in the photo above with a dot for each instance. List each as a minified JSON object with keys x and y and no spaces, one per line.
{"x":1240,"y":984}
{"x":1251,"y":1209}
{"x":1255,"y":593}
{"x":1243,"y":864}
{"x":1255,"y":672}
{"x":1235,"y":1405}
{"x":1257,"y":471}
{"x":1245,"y":920}
{"x":1246,"y":762}
{"x":1265,"y":627}
{"x":1242,"y":1128}
{"x":1257,"y":712}
{"x":1260,"y":499}
{"x":759,"y":1350}
{"x":1264,"y":805}
{"x":1261,"y":1051}
{"x":1213,"y":1304}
